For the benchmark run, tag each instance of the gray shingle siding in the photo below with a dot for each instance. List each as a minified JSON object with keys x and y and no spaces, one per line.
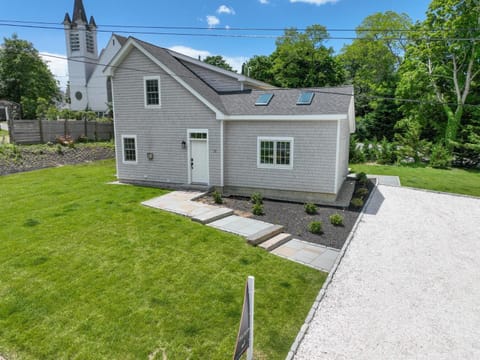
{"x":160,"y":131}
{"x":313,"y":163}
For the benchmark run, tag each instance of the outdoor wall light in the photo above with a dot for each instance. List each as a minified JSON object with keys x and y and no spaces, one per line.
{"x":184,"y":145}
{"x":150,"y":156}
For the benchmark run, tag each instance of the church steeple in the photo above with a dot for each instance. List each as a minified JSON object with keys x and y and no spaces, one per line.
{"x":79,"y":14}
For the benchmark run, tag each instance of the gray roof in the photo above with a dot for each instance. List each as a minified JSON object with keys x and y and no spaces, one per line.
{"x":326,"y":101}
{"x":121,"y":39}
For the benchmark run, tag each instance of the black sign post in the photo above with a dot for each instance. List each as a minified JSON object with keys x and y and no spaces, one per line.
{"x":245,"y":332}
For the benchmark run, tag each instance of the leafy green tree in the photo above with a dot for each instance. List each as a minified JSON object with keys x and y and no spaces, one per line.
{"x":302,"y":59}
{"x":24,"y":76}
{"x":371,"y":63}
{"x":260,"y":67}
{"x":219,"y":61}
{"x":443,"y":60}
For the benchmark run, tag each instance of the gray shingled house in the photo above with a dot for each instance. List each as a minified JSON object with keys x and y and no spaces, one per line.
{"x":181,"y":123}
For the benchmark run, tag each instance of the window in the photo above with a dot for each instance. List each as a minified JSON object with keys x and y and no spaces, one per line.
{"x":305,"y":98}
{"x":152,"y":91}
{"x":264,"y":99}
{"x":90,"y":43}
{"x":198,"y":135}
{"x":275,"y":152}
{"x":129,"y":143}
{"x":74,"y":42}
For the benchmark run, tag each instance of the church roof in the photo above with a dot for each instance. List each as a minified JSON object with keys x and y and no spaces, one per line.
{"x":79,"y":12}
{"x":92,"y":22}
{"x":67,"y":19}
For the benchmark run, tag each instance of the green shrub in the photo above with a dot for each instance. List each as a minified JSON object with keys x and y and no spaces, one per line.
{"x":370,"y":150}
{"x":217,"y":197}
{"x":336,"y":220}
{"x":310,"y":208}
{"x":440,"y":157}
{"x":257,"y":209}
{"x":386,"y":153}
{"x":356,"y":154}
{"x":256,"y":198}
{"x":362,"y":178}
{"x":357,"y":202}
{"x":361,"y":192}
{"x":315,"y":227}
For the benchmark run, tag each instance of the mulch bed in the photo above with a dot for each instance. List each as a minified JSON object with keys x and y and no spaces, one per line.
{"x":34,"y":158}
{"x":295,"y":220}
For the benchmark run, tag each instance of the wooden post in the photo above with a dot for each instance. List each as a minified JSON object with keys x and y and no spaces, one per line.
{"x":40,"y":130}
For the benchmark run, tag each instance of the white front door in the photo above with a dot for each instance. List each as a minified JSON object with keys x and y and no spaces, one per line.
{"x":199,"y":160}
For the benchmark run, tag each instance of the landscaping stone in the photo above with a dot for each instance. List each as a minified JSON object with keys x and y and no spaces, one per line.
{"x":276,"y":241}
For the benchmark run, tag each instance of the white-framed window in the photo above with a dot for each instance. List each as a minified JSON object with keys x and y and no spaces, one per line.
{"x":275,"y":152}
{"x":152,"y":91}
{"x":129,"y":149}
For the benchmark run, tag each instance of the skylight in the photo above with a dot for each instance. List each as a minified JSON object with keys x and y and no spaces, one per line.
{"x":264,"y":99}
{"x":305,"y":98}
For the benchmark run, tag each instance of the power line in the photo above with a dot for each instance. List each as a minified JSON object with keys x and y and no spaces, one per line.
{"x":248,"y":36}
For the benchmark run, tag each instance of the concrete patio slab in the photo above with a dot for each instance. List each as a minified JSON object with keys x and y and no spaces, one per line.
{"x":241,"y":226}
{"x":317,"y":256}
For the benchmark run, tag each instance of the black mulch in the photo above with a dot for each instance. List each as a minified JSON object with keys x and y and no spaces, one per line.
{"x":295,"y":220}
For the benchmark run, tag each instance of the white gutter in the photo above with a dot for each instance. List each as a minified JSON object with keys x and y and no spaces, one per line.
{"x":334,"y":117}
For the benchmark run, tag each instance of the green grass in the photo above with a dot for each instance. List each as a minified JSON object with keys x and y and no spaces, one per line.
{"x":86,"y":272}
{"x":3,"y":132}
{"x":457,"y":181}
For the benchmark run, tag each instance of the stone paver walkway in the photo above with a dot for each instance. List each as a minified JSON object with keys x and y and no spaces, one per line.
{"x":317,"y":256}
{"x":182,"y":203}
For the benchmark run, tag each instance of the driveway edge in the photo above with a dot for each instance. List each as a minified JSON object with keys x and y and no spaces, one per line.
{"x":323,"y":290}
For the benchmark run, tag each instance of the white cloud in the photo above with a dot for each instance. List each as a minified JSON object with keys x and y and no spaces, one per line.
{"x":264,"y":2}
{"x":234,"y":61}
{"x":224,"y":9}
{"x":194,"y":53}
{"x":212,"y":20}
{"x":58,"y":65}
{"x":314,"y":2}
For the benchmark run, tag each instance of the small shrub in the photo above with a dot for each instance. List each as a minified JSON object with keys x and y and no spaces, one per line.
{"x":315,"y":227}
{"x":82,"y":139}
{"x":361,"y":192}
{"x":217,"y":197}
{"x":257,"y":209}
{"x":357,"y":202}
{"x":357,"y":155}
{"x":336,"y":220}
{"x":362,"y":178}
{"x":310,"y":208}
{"x":440,"y":157}
{"x":59,"y":149}
{"x":256,"y":198}
{"x":386,"y":153}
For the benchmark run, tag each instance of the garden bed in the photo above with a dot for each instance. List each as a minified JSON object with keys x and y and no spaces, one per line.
{"x":295,"y":220}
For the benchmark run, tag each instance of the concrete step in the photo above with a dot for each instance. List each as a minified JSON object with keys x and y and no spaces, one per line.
{"x":212,"y":215}
{"x":276,"y":241}
{"x":265,"y":234}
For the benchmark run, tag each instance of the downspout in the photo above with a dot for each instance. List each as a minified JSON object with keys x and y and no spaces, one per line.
{"x":221,"y":154}
{"x":117,"y":146}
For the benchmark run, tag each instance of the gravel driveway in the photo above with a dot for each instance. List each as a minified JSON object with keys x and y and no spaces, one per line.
{"x":409,"y":284}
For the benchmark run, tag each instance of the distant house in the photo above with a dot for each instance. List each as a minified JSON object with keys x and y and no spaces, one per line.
{"x":182,"y":123}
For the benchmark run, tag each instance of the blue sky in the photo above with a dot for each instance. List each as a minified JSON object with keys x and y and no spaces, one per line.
{"x":218,"y":14}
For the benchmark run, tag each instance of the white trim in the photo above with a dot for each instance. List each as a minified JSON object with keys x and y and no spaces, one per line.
{"x":222,"y":176}
{"x":189,"y":153}
{"x":284,"y":117}
{"x":129,"y":162}
{"x":275,"y":139}
{"x":337,"y":156}
{"x":155,"y":106}
{"x":117,"y":160}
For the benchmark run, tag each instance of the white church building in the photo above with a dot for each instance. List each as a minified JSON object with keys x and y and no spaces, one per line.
{"x":90,"y":88}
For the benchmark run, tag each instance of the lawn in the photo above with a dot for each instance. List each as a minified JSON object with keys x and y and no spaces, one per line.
{"x":457,"y":181}
{"x":86,"y":272}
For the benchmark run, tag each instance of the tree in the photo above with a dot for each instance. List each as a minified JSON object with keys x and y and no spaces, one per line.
{"x":219,"y":61}
{"x":371,"y":63}
{"x":444,"y":56}
{"x":302,"y":59}
{"x":259,"y":67}
{"x":24,"y":76}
